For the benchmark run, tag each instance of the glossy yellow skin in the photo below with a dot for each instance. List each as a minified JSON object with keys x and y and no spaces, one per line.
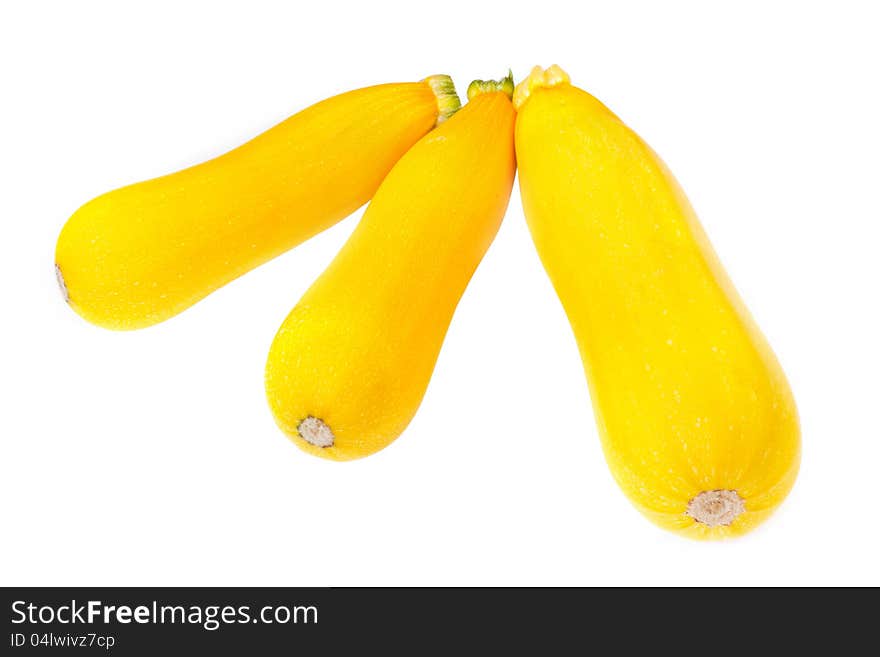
{"x":143,"y":253}
{"x":359,"y":348}
{"x":687,"y":393}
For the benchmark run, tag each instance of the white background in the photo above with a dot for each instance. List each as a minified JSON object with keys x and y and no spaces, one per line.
{"x":151,"y":457}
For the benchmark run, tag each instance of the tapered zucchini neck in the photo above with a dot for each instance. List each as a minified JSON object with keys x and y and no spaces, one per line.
{"x":716,"y":508}
{"x":504,"y":85}
{"x":448,"y":102}
{"x":538,"y":79}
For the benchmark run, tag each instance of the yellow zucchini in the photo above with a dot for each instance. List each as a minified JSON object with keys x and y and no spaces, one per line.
{"x":143,"y":253}
{"x":349,"y":366}
{"x":697,"y":421}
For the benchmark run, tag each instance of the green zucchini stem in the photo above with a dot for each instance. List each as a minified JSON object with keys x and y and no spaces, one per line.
{"x":448,"y":102}
{"x":504,"y":85}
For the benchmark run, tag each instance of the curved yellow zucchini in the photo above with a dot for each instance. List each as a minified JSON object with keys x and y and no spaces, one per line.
{"x":698,"y":423}
{"x":143,"y":253}
{"x":349,"y":366}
